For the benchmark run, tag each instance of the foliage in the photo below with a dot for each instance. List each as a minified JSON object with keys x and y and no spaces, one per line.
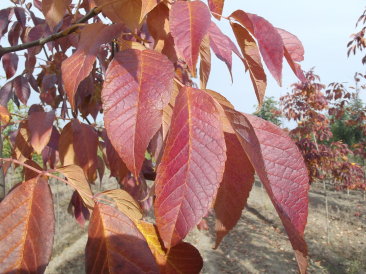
{"x":325,"y":156}
{"x":132,"y":64}
{"x":270,"y":111}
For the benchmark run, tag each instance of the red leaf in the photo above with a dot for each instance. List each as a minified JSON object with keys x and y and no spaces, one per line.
{"x":234,"y":189}
{"x":252,"y":61}
{"x":27,"y":226}
{"x":127,"y":12}
{"x":78,"y":145}
{"x":54,"y":11}
{"x":10,"y":63}
{"x":5,"y":15}
{"x":116,"y":164}
{"x":78,"y":209}
{"x":221,"y":45}
{"x":269,"y":41}
{"x":182,"y":258}
{"x":115,"y":245}
{"x":21,"y":88}
{"x":50,"y":152}
{"x":40,"y":128}
{"x":216,"y":7}
{"x":137,"y":87}
{"x":205,"y":63}
{"x":294,"y":52}
{"x":78,"y":66}
{"x":85,"y":142}
{"x":14,"y":33}
{"x":280,"y":167}
{"x":189,"y":23}
{"x":192,"y":165}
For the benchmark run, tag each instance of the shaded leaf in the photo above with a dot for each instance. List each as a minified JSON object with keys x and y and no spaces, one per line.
{"x":252,"y":61}
{"x":158,"y":25}
{"x":115,"y":245}
{"x":78,"y":209}
{"x":85,"y":142}
{"x":14,"y":34}
{"x":22,"y":148}
{"x":77,"y":180}
{"x":125,"y":203}
{"x":269,"y":41}
{"x":116,"y":164}
{"x":5,"y":15}
{"x":192,"y":165}
{"x":134,"y":100}
{"x":54,"y":11}
{"x":66,"y":147}
{"x":40,"y":129}
{"x":221,"y":45}
{"x":31,"y":174}
{"x":146,"y":7}
{"x":21,"y":88}
{"x":78,"y":66}
{"x":6,"y":92}
{"x":234,"y":189}
{"x":27,"y":227}
{"x":182,"y":258}
{"x":281,"y":169}
{"x":10,"y":64}
{"x":189,"y":22}
{"x":50,"y":152}
{"x":205,"y":63}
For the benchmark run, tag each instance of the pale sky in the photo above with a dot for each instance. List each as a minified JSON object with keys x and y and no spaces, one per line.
{"x":324,"y":27}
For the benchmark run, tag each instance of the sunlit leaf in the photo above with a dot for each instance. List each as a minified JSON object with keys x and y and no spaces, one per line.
{"x":125,"y":203}
{"x":252,"y":61}
{"x":27,"y":227}
{"x":281,"y":168}
{"x":189,"y":22}
{"x":115,"y":245}
{"x":216,"y":7}
{"x":137,"y":87}
{"x":77,"y":180}
{"x":192,"y":165}
{"x":269,"y":41}
{"x":54,"y":11}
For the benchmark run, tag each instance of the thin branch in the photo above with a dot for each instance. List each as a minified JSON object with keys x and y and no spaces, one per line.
{"x":53,"y":37}
{"x":45,"y":173}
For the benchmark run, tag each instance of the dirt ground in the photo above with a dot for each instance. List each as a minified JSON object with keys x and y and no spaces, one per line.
{"x":258,"y":244}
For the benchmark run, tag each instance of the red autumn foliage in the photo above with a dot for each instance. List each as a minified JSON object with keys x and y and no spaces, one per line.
{"x":130,"y":65}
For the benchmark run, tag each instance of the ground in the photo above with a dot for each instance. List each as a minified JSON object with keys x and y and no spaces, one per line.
{"x":258,"y":244}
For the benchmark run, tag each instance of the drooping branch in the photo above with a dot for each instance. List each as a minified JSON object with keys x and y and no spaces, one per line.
{"x":53,"y":37}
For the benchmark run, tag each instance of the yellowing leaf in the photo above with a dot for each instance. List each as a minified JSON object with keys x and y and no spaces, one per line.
{"x":76,"y":178}
{"x":125,"y":203}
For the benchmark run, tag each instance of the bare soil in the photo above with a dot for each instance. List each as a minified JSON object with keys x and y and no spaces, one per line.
{"x":258,"y":244}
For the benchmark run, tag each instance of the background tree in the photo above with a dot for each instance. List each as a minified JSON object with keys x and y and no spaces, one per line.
{"x":132,"y":64}
{"x":270,"y":111}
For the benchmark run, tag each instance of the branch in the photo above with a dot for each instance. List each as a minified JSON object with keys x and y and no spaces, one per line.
{"x":53,"y":37}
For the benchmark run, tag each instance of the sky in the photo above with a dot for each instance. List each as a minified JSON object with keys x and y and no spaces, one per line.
{"x":323,"y":26}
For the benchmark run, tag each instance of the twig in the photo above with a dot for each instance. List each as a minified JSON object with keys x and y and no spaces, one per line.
{"x":53,"y":37}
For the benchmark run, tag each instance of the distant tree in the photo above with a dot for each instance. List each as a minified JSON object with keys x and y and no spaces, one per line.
{"x":270,"y":111}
